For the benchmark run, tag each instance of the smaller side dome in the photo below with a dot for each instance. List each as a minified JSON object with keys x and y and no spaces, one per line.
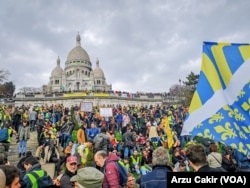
{"x":57,"y":71}
{"x":98,"y":71}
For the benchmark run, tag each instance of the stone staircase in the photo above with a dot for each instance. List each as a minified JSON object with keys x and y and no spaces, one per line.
{"x":31,"y":146}
{"x":13,"y":151}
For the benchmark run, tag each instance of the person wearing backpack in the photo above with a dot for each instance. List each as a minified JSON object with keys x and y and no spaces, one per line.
{"x":20,"y":164}
{"x":6,"y":138}
{"x":102,"y":141}
{"x":35,"y":176}
{"x":113,"y":174}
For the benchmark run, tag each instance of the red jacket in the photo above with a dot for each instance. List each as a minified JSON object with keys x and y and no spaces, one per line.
{"x":111,"y":173}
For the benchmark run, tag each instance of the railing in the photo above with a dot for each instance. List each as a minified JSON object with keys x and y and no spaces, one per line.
{"x":90,"y":94}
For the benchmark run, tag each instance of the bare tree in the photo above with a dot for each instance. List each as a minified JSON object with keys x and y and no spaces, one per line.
{"x":3,"y":75}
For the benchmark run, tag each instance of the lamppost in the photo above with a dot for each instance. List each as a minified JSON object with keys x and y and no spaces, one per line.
{"x":179,"y":91}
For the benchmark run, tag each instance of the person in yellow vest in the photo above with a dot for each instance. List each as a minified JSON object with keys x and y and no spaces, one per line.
{"x":32,"y":165}
{"x":26,"y":115}
{"x":54,"y":134}
{"x":135,"y":162}
{"x":5,"y":117}
{"x":44,"y":135}
{"x":1,"y":118}
{"x":6,"y":143}
{"x":86,"y":154}
{"x":125,"y":163}
{"x":171,"y":119}
{"x":146,"y":162}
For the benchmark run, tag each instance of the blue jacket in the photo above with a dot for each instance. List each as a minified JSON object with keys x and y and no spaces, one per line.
{"x":242,"y":160}
{"x":92,"y":132}
{"x":156,"y":178}
{"x":119,"y":118}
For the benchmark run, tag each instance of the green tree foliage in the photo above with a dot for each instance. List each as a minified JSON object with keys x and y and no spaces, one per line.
{"x":192,"y":80}
{"x":190,"y":87}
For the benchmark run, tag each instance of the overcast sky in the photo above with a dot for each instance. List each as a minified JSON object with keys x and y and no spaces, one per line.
{"x":142,"y":45}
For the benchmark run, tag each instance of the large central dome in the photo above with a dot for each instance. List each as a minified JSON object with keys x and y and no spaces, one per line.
{"x":78,"y":53}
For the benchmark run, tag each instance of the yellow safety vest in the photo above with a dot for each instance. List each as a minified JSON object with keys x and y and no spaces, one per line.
{"x":54,"y":131}
{"x":33,"y":179}
{"x":3,"y":117}
{"x":135,"y":161}
{"x":86,"y":152}
{"x":126,"y":166}
{"x":9,"y":133}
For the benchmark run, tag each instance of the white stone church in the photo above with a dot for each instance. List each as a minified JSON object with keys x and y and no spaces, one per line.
{"x":77,"y":74}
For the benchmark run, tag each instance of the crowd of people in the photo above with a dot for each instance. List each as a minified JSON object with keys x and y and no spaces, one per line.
{"x":87,"y":149}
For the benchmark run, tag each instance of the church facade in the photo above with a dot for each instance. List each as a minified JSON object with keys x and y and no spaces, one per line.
{"x":78,"y":74}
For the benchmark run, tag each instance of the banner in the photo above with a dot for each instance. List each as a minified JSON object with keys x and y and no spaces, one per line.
{"x":101,"y":94}
{"x":106,"y":112}
{"x":86,"y":106}
{"x":75,"y":94}
{"x":220,"y":108}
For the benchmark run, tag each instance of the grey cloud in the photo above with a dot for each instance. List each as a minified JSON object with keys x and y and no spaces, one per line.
{"x":141,"y":45}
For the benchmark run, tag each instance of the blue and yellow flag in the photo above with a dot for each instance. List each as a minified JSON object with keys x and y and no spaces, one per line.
{"x":220,"y":108}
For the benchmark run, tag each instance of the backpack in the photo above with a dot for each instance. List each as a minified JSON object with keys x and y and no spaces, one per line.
{"x":44,"y":181}
{"x":98,"y":143}
{"x":123,"y":174}
{"x":4,"y":136}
